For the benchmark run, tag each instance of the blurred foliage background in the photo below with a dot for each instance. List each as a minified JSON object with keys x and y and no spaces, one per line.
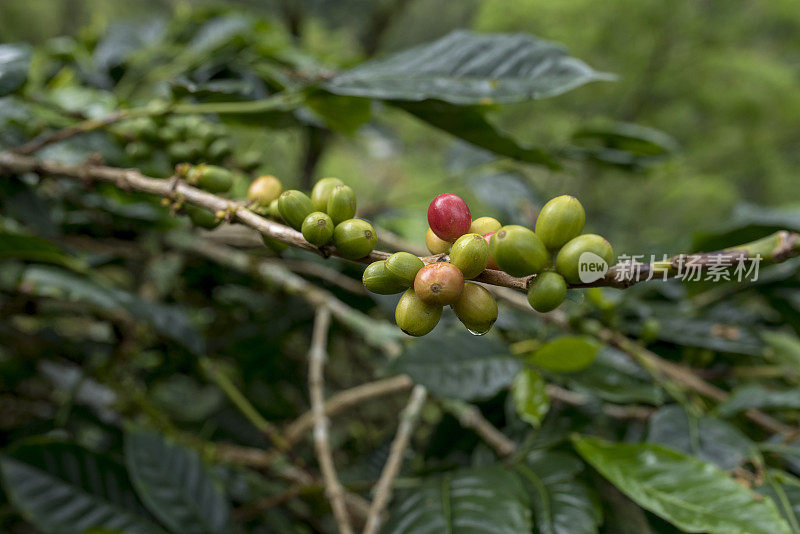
{"x":112,"y":310}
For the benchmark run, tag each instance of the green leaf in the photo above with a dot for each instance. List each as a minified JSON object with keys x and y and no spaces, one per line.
{"x":486,"y":500}
{"x":693,"y":495}
{"x":784,"y":490}
{"x":566,"y":354}
{"x":34,"y":248}
{"x":782,"y":347}
{"x":748,"y":222}
{"x":169,"y":321}
{"x":341,"y":113}
{"x":759,"y":397}
{"x":706,"y":437}
{"x":14,"y":62}
{"x":561,"y":503}
{"x":60,"y":487}
{"x":530,"y":396}
{"x":615,"y":378}
{"x":173,"y":483}
{"x":708,"y":334}
{"x":470,"y":124}
{"x":467,"y":68}
{"x":459,"y":365}
{"x":621,"y":144}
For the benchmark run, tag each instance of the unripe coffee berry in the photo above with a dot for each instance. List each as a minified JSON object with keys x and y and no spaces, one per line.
{"x":490,"y":264}
{"x":341,"y":204}
{"x":560,"y":220}
{"x":569,"y":257}
{"x":322,"y":192}
{"x":274,"y":211}
{"x":264,"y":190}
{"x":415,"y":317}
{"x":202,"y":217}
{"x":484,"y":225}
{"x":317,"y":228}
{"x":518,"y":251}
{"x":354,"y":238}
{"x":439,"y":283}
{"x":476,"y":308}
{"x":435,"y":244}
{"x":547,"y":292}
{"x":210,"y":178}
{"x":294,"y":206}
{"x":470,"y":253}
{"x":449,"y":217}
{"x":378,"y":280}
{"x":404,"y":266}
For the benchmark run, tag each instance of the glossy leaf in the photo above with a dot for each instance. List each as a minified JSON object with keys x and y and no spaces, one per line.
{"x":36,"y":249}
{"x":562,"y":504}
{"x":60,"y":487}
{"x":714,"y":335}
{"x":706,"y":437}
{"x":621,"y":144}
{"x":530,"y":396}
{"x":467,"y":68}
{"x":173,"y":483}
{"x":614,"y":377}
{"x":470,"y":124}
{"x":566,"y":354}
{"x":486,"y":500}
{"x":693,"y":495}
{"x":14,"y":62}
{"x":784,"y":490}
{"x":459,"y":365}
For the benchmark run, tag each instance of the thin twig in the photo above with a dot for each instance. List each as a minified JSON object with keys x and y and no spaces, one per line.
{"x":87,"y":125}
{"x":383,"y":489}
{"x":316,"y":363}
{"x":345,"y":400}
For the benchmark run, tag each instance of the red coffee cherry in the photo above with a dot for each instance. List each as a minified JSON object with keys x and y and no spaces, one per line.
{"x":439,"y":283}
{"x":449,"y":217}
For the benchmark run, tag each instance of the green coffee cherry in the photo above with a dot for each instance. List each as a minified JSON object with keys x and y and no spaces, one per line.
{"x":210,"y":178}
{"x":276,"y":246}
{"x":547,"y":292}
{"x":476,"y":308}
{"x":518,"y":251}
{"x":378,"y":280}
{"x":404,"y":266}
{"x":484,"y":225}
{"x":264,"y":190}
{"x":560,"y":220}
{"x":202,"y":217}
{"x":294,"y":206}
{"x":318,"y":228}
{"x":415,"y":317}
{"x":470,"y":253}
{"x":568,"y":258}
{"x":435,"y":244}
{"x":341,"y":204}
{"x":321,"y":193}
{"x":273,"y":210}
{"x":354,"y":238}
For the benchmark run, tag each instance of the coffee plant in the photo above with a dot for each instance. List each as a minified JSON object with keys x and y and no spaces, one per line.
{"x":185,"y":345}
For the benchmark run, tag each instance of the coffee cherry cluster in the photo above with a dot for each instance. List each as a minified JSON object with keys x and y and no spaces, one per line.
{"x":211,"y":178}
{"x":428,"y":288}
{"x":325,"y":217}
{"x":180,"y":138}
{"x":468,"y":247}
